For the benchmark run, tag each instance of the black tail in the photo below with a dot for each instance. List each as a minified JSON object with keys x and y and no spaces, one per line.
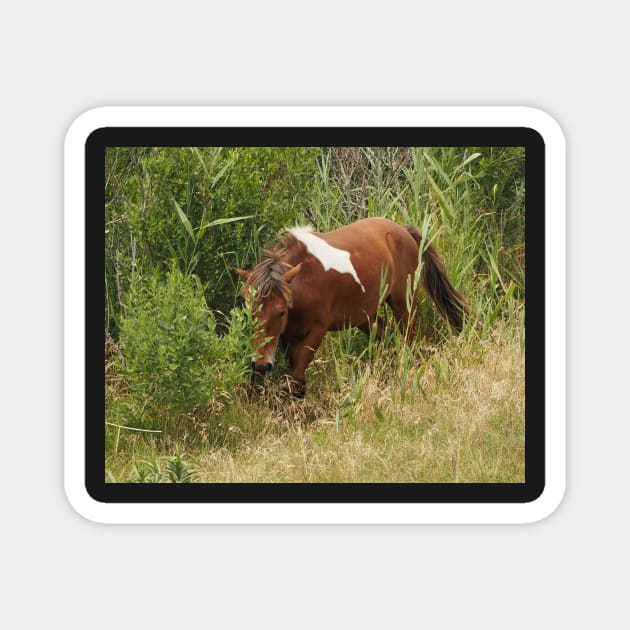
{"x":450,"y":302}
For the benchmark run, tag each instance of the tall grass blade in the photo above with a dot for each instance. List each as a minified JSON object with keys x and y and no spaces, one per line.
{"x":184,"y":219}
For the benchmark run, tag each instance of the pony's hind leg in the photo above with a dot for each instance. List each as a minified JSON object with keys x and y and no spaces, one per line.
{"x":404,"y":253}
{"x":406,"y":321}
{"x":380,"y":327}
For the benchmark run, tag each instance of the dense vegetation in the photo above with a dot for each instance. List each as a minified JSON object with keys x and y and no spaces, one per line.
{"x":179,"y":402}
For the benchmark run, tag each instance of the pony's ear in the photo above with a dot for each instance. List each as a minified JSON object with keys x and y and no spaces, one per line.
{"x":241,"y":272}
{"x":289,"y":275}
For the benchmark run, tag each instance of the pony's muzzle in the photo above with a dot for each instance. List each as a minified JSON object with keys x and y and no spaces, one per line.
{"x":261,"y":368}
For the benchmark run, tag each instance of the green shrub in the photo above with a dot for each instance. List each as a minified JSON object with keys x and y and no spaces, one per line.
{"x":164,"y":203}
{"x":176,"y":361}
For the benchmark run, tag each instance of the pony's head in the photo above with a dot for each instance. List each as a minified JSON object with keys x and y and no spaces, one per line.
{"x":271,"y":280}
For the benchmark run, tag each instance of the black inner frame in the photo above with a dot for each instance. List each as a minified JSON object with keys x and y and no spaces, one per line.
{"x":95,"y":148}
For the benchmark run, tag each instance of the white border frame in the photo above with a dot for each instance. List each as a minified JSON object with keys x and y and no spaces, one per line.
{"x":314,"y":513}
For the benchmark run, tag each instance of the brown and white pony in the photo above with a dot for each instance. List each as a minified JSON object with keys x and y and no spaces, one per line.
{"x":312,"y":283}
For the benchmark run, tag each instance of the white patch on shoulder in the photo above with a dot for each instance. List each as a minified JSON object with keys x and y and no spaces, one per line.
{"x":329,"y":256}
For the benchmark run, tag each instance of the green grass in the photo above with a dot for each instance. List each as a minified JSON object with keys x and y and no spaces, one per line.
{"x":461,"y":419}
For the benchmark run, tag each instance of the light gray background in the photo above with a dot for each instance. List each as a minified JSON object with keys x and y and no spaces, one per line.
{"x":59,"y":59}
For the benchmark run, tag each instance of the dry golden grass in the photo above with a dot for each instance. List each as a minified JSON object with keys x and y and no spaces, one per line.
{"x":455,"y":413}
{"x":462,"y":421}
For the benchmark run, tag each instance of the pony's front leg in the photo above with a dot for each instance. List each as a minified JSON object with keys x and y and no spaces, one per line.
{"x":300,"y":355}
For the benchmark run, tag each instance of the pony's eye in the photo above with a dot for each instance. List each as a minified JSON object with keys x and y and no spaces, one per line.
{"x":281,"y":313}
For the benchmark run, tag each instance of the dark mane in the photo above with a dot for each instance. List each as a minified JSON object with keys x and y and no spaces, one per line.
{"x":267,"y":276}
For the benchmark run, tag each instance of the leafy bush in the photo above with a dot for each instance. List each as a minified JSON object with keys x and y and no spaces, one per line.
{"x":182,"y":203}
{"x":175,"y":359}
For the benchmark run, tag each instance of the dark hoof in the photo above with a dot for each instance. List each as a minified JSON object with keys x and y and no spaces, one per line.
{"x":295,"y":389}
